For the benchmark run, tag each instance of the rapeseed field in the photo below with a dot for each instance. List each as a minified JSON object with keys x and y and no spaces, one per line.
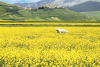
{"x":51,"y":23}
{"x":44,"y":47}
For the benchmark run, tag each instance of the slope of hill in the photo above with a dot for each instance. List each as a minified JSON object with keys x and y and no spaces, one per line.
{"x":9,"y":11}
{"x":86,"y":6}
{"x":59,"y":13}
{"x":47,"y":12}
{"x":93,"y":13}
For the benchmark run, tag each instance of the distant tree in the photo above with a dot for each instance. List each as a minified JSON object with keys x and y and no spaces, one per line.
{"x":35,"y":9}
{"x":56,"y":7}
{"x":46,"y":8}
{"x":41,"y":7}
{"x":51,"y":9}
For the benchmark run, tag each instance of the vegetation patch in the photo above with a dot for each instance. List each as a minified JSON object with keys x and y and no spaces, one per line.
{"x":55,"y":18}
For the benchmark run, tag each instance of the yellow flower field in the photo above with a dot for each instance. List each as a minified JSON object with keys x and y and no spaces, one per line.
{"x":44,"y":47}
{"x":52,"y":23}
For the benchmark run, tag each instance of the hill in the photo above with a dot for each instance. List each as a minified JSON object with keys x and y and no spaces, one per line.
{"x":59,"y":13}
{"x":9,"y":11}
{"x":83,"y":6}
{"x":46,"y":12}
{"x":86,"y":6}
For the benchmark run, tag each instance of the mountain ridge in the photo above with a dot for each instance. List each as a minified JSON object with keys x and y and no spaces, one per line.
{"x":81,"y":6}
{"x":86,"y":6}
{"x":61,"y":3}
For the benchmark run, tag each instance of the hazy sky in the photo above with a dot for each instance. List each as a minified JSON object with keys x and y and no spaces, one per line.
{"x":16,"y":1}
